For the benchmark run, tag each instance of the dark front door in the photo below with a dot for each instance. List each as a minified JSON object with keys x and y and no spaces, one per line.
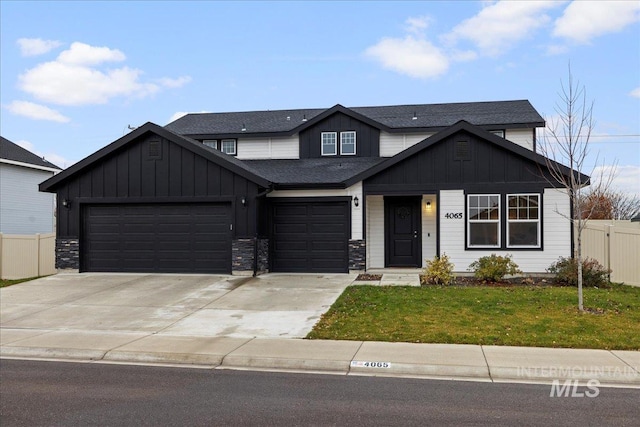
{"x":402,"y":232}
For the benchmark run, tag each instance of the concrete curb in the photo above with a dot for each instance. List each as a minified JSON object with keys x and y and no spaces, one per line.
{"x":433,"y":361}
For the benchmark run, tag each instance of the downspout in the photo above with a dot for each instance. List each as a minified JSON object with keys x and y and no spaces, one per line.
{"x":255,"y":237}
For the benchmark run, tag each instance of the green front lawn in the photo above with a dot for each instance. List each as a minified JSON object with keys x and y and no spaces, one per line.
{"x":7,"y":282}
{"x":540,"y":316}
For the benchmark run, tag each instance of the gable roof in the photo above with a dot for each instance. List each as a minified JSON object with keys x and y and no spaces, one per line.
{"x":393,"y":118}
{"x":14,"y":153}
{"x":229,"y":162}
{"x":474,"y":130}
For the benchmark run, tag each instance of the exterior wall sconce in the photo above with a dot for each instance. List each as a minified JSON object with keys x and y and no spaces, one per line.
{"x":243,"y":201}
{"x":356,"y":201}
{"x":66,"y":203}
{"x":428,"y":205}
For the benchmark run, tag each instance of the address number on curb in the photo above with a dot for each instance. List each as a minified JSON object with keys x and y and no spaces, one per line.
{"x":361,"y":364}
{"x":453,"y":215}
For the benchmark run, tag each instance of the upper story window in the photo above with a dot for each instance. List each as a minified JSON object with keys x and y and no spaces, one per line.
{"x":348,"y":143}
{"x":523,"y":220}
{"x":228,"y":146}
{"x":499,"y":132}
{"x":213,"y":143}
{"x":483,"y":224}
{"x":329,"y":144}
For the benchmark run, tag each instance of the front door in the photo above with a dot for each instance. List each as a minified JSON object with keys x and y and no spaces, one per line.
{"x":403,"y":239}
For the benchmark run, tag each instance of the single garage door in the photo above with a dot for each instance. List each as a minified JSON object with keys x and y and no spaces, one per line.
{"x":310,"y":237}
{"x":159,"y":238}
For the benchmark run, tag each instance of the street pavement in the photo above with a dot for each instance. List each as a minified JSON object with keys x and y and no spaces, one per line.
{"x":227,"y":322}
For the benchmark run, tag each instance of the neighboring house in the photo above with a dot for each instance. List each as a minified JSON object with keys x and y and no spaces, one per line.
{"x":23,"y":209}
{"x":322,"y":190}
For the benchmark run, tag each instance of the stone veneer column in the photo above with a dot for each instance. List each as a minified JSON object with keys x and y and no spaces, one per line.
{"x":357,"y":255}
{"x":67,"y":254}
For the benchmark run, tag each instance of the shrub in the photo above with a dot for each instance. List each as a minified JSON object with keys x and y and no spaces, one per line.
{"x":494,"y":267}
{"x":593,"y":273}
{"x":438,"y":271}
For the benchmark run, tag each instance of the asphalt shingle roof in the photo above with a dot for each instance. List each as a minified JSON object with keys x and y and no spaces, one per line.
{"x":311,"y":171}
{"x":391,"y":117}
{"x":12,"y":151}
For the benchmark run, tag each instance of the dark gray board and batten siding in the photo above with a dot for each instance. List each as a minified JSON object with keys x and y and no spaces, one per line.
{"x":367,"y":137}
{"x":130,"y":176}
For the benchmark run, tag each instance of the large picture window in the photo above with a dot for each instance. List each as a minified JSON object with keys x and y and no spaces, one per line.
{"x":348,"y":143}
{"x":523,"y":220}
{"x":329,"y":144}
{"x":483,"y":224}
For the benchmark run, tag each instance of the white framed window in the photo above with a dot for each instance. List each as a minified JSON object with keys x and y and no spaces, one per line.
{"x":228,"y":146}
{"x":329,"y":144}
{"x":499,"y":132}
{"x":348,"y":143}
{"x":523,"y":220}
{"x":213,"y":143}
{"x":483,"y":221}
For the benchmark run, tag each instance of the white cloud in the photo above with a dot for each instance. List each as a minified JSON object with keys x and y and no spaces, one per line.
{"x":585,"y":20}
{"x":84,"y":54}
{"x":498,"y":26}
{"x":626,"y":178}
{"x":75,"y":78}
{"x":411,"y":56}
{"x":417,"y":25}
{"x":174,"y":83}
{"x":36,"y":111}
{"x":33,"y":47}
{"x":51,"y":157}
{"x":179,"y":114}
{"x":635,"y":93}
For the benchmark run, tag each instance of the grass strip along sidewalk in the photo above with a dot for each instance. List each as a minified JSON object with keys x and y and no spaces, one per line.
{"x":537,"y":316}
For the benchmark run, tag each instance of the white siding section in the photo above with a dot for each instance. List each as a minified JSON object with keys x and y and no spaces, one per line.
{"x":523,"y":137}
{"x":556,"y":233}
{"x":268,"y":148}
{"x":23,"y":209}
{"x":429,"y":227}
{"x":354,"y":191}
{"x":392,"y":144}
{"x":375,"y":232}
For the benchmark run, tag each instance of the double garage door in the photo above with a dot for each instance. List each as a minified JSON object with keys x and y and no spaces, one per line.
{"x":310,"y":236}
{"x":162,"y":238}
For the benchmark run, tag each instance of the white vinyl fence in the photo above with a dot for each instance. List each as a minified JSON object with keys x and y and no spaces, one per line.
{"x":23,"y":256}
{"x":616,"y":245}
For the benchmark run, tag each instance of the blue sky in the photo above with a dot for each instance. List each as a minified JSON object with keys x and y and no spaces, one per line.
{"x":74,"y":75}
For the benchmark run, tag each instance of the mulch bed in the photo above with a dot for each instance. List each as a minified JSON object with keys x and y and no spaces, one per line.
{"x":369,"y":277}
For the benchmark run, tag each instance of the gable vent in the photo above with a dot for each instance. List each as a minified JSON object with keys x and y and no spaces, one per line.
{"x":462,"y":151}
{"x":154,"y":149}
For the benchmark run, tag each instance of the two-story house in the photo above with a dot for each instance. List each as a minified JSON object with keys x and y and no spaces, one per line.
{"x":23,"y":209}
{"x":316,"y":190}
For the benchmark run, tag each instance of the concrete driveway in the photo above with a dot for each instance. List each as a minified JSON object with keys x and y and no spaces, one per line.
{"x":269,"y":306}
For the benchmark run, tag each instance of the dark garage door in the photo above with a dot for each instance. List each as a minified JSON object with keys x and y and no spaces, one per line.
{"x":161,"y":238}
{"x":310,"y":237}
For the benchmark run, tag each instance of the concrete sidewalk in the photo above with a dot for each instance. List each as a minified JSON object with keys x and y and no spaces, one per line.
{"x":439,"y":361}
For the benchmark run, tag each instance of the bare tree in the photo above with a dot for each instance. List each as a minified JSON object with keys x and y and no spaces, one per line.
{"x":566,"y":142}
{"x":610,"y":204}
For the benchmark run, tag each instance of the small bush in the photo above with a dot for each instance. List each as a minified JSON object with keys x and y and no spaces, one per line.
{"x":494,"y":267}
{"x":593,"y":273}
{"x":439,"y":271}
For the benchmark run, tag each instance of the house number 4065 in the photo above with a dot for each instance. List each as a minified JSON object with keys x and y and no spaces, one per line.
{"x":453,"y":215}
